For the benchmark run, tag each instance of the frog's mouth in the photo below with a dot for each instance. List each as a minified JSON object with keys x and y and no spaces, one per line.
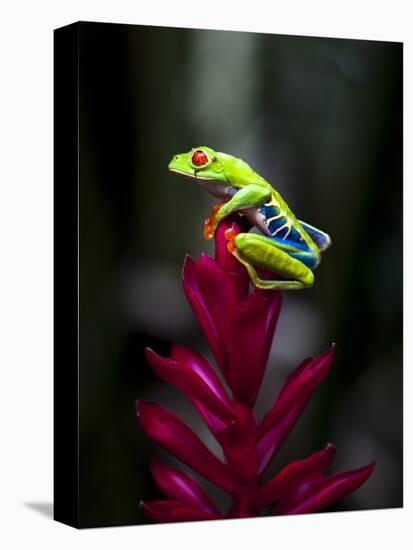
{"x":219,"y":189}
{"x":193,"y":176}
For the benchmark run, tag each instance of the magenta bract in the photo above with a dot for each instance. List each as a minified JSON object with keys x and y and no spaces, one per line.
{"x":238,"y":324}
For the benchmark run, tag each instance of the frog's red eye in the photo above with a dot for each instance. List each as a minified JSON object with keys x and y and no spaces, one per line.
{"x":199,"y":158}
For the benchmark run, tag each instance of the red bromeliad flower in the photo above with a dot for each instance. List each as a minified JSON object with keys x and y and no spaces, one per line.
{"x":239,"y":327}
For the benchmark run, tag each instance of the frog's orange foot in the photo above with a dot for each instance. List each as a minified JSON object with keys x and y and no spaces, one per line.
{"x":230,"y":235}
{"x":209,"y":222}
{"x":208,"y":232}
{"x":215,"y":209}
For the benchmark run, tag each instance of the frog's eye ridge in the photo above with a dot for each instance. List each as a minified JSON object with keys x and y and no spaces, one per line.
{"x":199,"y":157}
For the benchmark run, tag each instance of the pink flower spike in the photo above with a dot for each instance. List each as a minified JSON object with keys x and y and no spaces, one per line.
{"x":164,"y":511}
{"x":200,"y":365}
{"x":215,"y":286}
{"x":326,"y":491}
{"x":290,"y":379}
{"x":251,"y":335}
{"x":239,"y":276}
{"x":193,"y":375}
{"x":171,"y":433}
{"x":202,"y":313}
{"x":238,"y":322}
{"x":182,"y":487}
{"x":293,"y":475}
{"x":299,"y":386}
{"x":238,"y":444}
{"x":290,"y":403}
{"x":215,"y":425}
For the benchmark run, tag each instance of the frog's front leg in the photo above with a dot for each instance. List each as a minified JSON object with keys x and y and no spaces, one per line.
{"x":247,"y":197}
{"x":209,"y":222}
{"x":259,"y":251}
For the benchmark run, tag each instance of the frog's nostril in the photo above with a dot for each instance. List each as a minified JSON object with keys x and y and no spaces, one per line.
{"x":176,"y":157}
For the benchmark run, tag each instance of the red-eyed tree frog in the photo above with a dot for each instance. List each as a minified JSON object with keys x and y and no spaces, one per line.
{"x":285,"y":246}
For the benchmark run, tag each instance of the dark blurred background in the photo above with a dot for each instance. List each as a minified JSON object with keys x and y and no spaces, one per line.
{"x":321,"y":119}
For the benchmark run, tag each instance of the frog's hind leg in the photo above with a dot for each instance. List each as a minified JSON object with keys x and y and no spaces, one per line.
{"x":255,"y":250}
{"x":267,"y":284}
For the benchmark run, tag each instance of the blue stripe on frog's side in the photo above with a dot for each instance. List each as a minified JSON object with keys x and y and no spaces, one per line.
{"x":303,"y":254}
{"x":268,"y":211}
{"x":307,"y":258}
{"x":275,"y":222}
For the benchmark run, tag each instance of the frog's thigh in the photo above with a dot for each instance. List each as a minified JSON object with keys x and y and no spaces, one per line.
{"x":263,"y":252}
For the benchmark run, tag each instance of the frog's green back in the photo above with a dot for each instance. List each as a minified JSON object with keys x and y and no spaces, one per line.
{"x":239,"y":173}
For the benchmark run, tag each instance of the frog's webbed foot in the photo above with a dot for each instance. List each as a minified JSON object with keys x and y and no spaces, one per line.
{"x":210,"y":223}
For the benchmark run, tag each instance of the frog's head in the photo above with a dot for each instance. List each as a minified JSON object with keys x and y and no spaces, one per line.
{"x":201,"y":163}
{"x":207,"y":168}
